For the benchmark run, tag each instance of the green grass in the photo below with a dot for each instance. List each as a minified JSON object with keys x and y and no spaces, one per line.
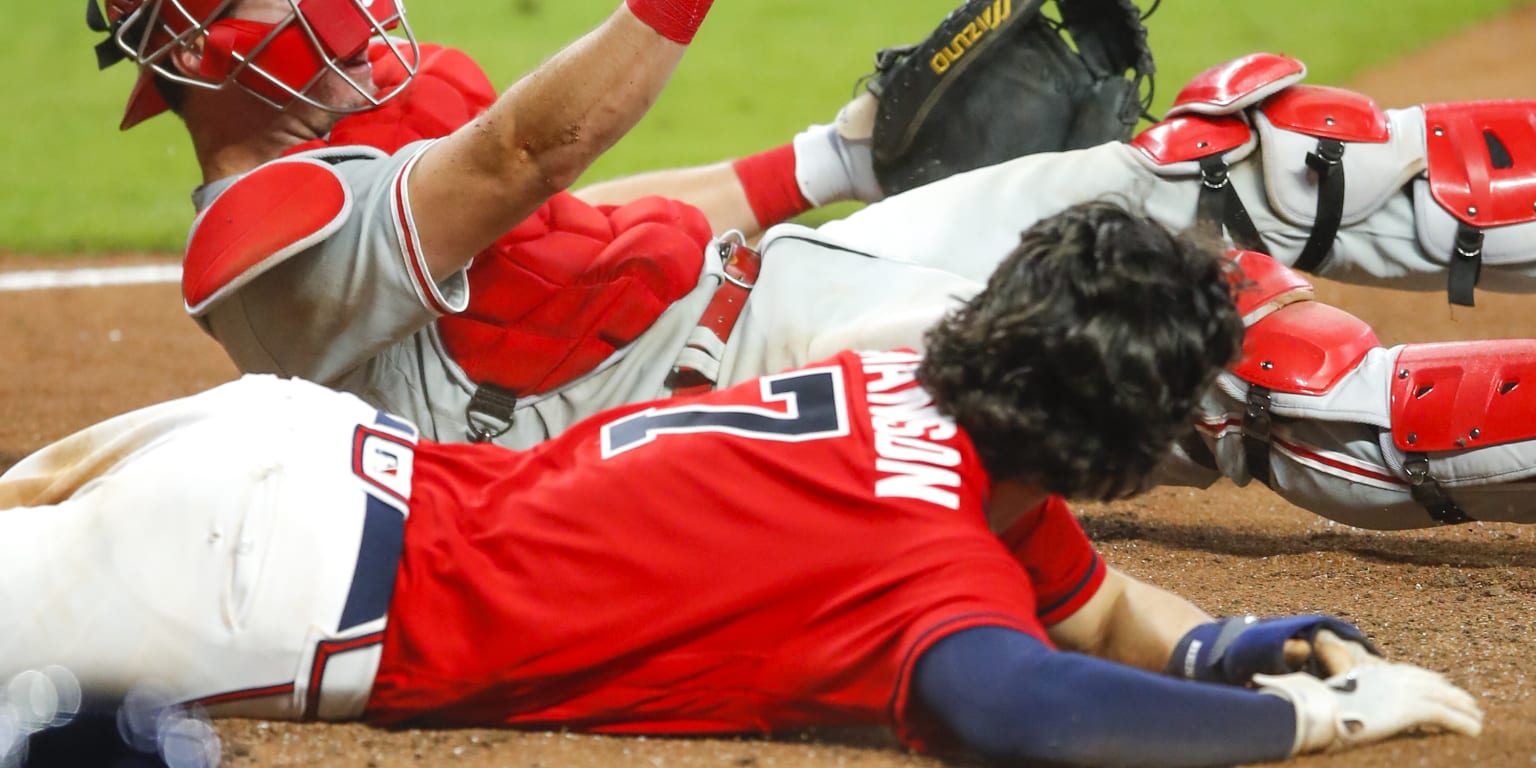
{"x":760,"y":71}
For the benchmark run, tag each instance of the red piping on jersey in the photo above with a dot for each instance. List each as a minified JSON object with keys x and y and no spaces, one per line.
{"x":248,"y":693}
{"x":1216,"y":429}
{"x":1311,"y":455}
{"x":408,"y":238}
{"x":324,"y":650}
{"x":1090,"y":582}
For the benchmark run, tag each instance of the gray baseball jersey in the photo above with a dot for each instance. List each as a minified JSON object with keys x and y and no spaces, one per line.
{"x":352,"y":311}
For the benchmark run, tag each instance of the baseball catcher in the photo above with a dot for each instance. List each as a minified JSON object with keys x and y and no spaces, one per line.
{"x":353,"y":173}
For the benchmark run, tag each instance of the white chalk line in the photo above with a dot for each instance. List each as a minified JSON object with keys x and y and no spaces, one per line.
{"x":92,"y":277}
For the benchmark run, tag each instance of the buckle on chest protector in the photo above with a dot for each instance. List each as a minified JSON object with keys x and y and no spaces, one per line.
{"x":489,"y":414}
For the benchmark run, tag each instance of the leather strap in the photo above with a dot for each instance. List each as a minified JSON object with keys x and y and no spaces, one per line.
{"x":1327,"y":163}
{"x":1428,"y":493}
{"x":490,"y":412}
{"x":742,"y":265}
{"x":1466,"y":264}
{"x":1257,"y":423}
{"x":1220,"y":206}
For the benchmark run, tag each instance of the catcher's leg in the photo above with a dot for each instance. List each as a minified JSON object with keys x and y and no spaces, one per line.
{"x":1328,"y":182}
{"x":1403,"y":437}
{"x":967,"y":223}
{"x":816,"y":297}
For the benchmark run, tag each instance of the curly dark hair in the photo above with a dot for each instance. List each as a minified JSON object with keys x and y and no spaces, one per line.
{"x":1081,"y":362}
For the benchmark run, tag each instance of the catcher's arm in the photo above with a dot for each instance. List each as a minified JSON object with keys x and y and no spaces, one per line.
{"x":544,"y":131}
{"x":714,"y":189}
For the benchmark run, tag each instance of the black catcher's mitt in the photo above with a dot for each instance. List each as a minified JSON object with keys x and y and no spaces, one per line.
{"x":999,"y":79}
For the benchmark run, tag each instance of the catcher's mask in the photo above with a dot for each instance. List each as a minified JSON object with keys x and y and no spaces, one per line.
{"x":278,"y":63}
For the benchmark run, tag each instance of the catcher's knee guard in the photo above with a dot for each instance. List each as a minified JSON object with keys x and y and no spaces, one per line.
{"x":1331,"y":159}
{"x":1477,"y":203}
{"x":1402,"y":437}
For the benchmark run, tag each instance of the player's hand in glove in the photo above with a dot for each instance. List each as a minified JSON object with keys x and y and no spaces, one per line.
{"x":996,"y":80}
{"x":1233,"y":650}
{"x":1371,"y":703}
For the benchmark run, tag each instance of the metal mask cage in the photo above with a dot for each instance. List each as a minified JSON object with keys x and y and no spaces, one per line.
{"x":149,"y":36}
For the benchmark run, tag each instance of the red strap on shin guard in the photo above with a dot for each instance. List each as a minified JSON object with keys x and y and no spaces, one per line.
{"x":676,"y":20}
{"x":769,"y":181}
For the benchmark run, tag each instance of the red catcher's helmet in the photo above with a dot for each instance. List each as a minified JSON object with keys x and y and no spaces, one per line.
{"x":278,"y":63}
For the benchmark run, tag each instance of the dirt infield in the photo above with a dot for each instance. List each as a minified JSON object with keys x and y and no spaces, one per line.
{"x":1455,"y":599}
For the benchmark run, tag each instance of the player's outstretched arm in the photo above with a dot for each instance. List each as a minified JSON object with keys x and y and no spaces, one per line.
{"x":545,"y":130}
{"x":1008,"y":696}
{"x":1136,"y":623}
{"x":1129,"y":621}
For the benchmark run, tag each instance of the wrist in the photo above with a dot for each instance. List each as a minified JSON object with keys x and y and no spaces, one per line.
{"x":1232,"y":650}
{"x":1200,"y":652}
{"x":1317,"y":709}
{"x":768,"y":179}
{"x":676,"y":20}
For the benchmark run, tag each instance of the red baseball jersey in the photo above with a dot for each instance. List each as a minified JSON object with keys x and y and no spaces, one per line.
{"x":769,"y":556}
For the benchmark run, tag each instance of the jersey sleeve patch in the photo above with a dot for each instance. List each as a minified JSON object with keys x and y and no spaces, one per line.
{"x":267,"y":216}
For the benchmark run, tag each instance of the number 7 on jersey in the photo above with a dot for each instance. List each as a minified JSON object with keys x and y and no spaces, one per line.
{"x":797,"y":406}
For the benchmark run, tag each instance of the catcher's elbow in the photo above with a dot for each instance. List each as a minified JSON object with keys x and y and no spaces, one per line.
{"x":564,"y":155}
{"x":547,"y":161}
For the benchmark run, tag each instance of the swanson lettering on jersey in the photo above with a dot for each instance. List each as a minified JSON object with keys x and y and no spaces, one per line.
{"x":911,"y":458}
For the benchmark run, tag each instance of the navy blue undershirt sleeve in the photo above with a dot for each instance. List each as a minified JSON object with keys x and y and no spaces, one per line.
{"x":1011,"y":698}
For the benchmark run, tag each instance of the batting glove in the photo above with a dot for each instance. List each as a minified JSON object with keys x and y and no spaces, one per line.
{"x":1371,"y":703}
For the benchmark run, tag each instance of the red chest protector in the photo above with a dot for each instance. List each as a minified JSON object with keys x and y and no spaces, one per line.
{"x":560,"y":292}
